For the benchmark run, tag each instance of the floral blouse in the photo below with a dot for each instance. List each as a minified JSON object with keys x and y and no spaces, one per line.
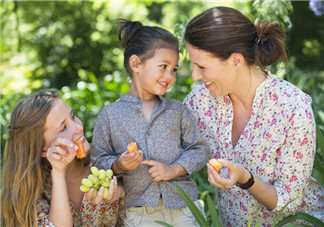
{"x":90,"y":214}
{"x":277,"y":145}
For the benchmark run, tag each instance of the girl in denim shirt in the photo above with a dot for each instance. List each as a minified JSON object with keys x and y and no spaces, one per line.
{"x":170,"y":147}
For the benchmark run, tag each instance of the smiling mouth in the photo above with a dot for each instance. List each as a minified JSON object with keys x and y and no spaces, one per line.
{"x":163,"y":84}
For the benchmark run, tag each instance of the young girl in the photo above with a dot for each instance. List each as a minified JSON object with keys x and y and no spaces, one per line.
{"x":167,"y":136}
{"x":41,"y":176}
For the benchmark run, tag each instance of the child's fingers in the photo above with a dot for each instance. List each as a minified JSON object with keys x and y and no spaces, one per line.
{"x":149,"y":162}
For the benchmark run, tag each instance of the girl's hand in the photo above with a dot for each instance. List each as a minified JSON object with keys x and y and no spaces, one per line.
{"x":229,"y":176}
{"x":130,"y":161}
{"x":61,"y":153}
{"x":115,"y":192}
{"x":159,"y":171}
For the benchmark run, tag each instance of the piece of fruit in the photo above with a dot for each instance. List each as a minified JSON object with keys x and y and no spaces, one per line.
{"x":132,"y":147}
{"x":96,"y":179}
{"x":215,"y":164}
{"x":80,"y":152}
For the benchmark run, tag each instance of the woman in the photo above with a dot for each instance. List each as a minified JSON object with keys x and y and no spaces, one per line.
{"x":260,"y":127}
{"x":41,"y":177}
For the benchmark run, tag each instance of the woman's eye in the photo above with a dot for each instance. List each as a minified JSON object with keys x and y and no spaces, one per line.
{"x":64,"y":127}
{"x":163,"y":66}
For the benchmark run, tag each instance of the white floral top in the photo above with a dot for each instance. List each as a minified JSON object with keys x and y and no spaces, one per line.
{"x":90,"y":214}
{"x":277,"y":145}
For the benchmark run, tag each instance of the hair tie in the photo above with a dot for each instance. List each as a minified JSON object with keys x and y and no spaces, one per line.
{"x":259,"y":40}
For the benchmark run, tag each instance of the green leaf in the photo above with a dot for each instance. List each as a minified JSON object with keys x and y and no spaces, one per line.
{"x":280,"y":212}
{"x":163,"y":223}
{"x":301,"y":216}
{"x":213,"y":213}
{"x":193,"y":208}
{"x":318,"y":171}
{"x":320,"y":140}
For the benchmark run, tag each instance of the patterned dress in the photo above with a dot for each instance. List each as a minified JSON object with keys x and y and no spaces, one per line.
{"x":277,"y":145}
{"x":90,"y":214}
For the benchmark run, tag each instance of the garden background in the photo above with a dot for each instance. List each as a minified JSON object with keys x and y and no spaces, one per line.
{"x":72,"y":46}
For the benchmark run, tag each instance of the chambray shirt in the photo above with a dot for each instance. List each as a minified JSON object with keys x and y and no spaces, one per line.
{"x":171,"y":136}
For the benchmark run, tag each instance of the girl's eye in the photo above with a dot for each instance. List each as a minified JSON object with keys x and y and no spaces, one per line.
{"x":175,"y":69}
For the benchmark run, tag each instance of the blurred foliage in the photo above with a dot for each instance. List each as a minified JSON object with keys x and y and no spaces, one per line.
{"x":72,"y":46}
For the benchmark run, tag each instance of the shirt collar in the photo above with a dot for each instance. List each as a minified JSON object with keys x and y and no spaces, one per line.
{"x":132,"y":98}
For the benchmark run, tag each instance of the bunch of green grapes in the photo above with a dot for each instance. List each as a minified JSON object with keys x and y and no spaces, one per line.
{"x":96,"y":179}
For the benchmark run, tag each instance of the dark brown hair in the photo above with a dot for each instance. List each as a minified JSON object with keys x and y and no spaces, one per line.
{"x":223,"y":31}
{"x":143,"y":40}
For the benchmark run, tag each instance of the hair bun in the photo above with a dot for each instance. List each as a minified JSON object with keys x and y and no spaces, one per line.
{"x":270,"y":41}
{"x":129,"y":28}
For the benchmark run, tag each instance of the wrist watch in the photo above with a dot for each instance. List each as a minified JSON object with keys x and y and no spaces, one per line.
{"x":248,"y":184}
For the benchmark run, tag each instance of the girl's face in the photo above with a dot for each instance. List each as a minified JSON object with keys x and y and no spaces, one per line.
{"x":61,"y":122}
{"x":156,"y":74}
{"x":218,"y":75}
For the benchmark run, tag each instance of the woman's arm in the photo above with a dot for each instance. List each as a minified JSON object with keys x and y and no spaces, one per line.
{"x":264,"y":192}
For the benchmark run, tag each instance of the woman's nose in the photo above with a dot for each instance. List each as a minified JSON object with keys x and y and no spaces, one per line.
{"x":196,"y":75}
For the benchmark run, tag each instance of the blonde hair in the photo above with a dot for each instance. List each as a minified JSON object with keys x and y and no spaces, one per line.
{"x":23,"y":175}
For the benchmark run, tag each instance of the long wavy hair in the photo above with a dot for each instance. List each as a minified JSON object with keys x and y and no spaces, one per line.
{"x":23,"y":172}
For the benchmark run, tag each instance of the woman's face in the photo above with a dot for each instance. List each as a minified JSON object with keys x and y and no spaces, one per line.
{"x":61,"y":122}
{"x":218,"y":75}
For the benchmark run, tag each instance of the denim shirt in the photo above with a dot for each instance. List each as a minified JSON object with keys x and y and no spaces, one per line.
{"x":171,"y":136}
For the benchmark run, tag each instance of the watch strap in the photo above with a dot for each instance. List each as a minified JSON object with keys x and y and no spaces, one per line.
{"x":248,"y":184}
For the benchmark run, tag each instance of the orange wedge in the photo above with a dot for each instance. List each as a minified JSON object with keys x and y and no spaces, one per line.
{"x":80,"y":152}
{"x":132,"y":147}
{"x":215,"y":164}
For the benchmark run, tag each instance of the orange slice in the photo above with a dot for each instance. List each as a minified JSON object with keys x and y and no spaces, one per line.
{"x":80,"y":152}
{"x":132,"y":147}
{"x":215,"y":164}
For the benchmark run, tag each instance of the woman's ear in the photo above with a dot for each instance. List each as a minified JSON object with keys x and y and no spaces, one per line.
{"x":134,"y":63}
{"x":238,"y":60}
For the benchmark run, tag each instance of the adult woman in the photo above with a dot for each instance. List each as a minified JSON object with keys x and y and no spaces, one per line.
{"x":259,"y":125}
{"x":41,"y":175}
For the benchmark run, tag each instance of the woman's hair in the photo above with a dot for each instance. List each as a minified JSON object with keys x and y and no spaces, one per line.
{"x":223,"y":31}
{"x":142,"y":41}
{"x":23,"y":175}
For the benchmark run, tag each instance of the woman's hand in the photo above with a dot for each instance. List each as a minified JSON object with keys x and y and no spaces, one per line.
{"x":115,"y":192}
{"x":228,"y":176}
{"x":61,"y":153}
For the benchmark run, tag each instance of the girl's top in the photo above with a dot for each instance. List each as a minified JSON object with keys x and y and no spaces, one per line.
{"x":90,"y":214}
{"x":170,"y":136}
{"x":277,"y":145}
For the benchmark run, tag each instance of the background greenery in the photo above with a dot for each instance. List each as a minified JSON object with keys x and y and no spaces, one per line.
{"x":72,"y":46}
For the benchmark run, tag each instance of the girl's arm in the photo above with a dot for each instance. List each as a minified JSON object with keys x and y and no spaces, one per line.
{"x":60,"y":155}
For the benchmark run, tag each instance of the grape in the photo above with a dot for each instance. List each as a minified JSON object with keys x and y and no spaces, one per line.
{"x":93,"y":179}
{"x":96,"y":179}
{"x":86,"y":182}
{"x":84,"y":188}
{"x":95,"y":193}
{"x":102,"y":174}
{"x":106,"y":193}
{"x":109,"y":173}
{"x":94,"y":171}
